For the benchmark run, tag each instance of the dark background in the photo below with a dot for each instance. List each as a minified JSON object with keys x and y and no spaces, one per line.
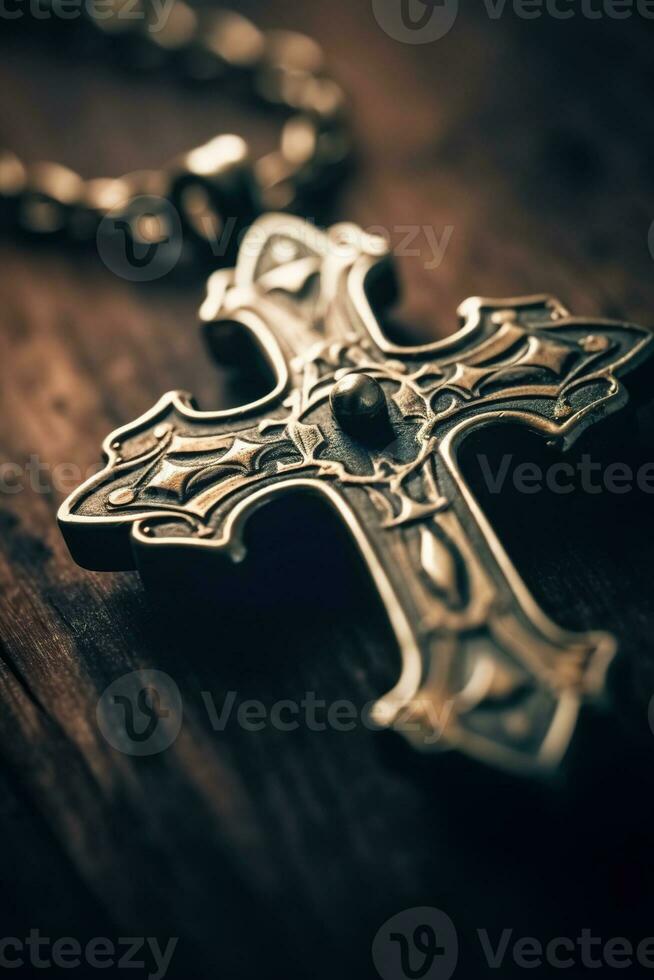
{"x":278,"y":854}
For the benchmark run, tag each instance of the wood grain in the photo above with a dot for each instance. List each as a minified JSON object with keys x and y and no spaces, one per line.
{"x":281,"y":854}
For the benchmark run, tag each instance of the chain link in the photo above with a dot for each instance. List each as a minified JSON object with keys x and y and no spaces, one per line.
{"x":211,"y":184}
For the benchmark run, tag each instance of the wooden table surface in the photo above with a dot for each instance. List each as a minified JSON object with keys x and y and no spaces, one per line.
{"x":281,"y":854}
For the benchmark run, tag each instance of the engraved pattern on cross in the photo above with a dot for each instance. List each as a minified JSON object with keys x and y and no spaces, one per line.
{"x":483,"y":669}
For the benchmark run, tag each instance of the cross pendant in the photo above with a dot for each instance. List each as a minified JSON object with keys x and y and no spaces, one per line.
{"x":375,"y":428}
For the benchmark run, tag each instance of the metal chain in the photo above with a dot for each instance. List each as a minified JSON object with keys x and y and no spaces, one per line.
{"x":213,"y":183}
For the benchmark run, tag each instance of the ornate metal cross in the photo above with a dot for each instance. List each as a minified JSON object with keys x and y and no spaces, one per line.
{"x":374,"y":428}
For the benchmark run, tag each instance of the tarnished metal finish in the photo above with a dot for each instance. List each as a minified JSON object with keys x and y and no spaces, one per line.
{"x":213,"y":184}
{"x":484,"y":670}
{"x":209,"y":185}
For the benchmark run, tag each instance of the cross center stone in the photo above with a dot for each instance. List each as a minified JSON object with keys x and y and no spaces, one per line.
{"x":358,"y":404}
